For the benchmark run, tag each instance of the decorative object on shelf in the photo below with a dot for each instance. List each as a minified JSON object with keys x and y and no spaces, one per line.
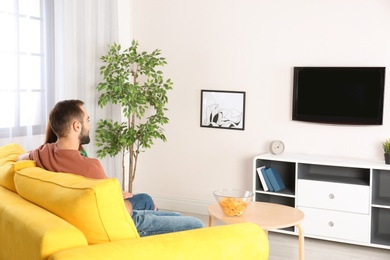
{"x":222,"y":109}
{"x":233,"y":202}
{"x":276,"y":147}
{"x":132,"y":79}
{"x":386,"y":150}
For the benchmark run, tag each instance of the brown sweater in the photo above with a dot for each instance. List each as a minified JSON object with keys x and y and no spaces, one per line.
{"x":51,"y":158}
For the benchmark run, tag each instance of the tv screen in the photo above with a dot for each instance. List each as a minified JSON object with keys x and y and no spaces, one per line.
{"x":339,"y":95}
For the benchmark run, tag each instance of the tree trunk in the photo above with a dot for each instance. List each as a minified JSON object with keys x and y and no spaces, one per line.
{"x":130,"y":184}
{"x":123,"y":171}
{"x":131,"y":121}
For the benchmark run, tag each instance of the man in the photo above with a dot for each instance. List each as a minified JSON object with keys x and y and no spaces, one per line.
{"x":139,"y":201}
{"x":70,"y":122}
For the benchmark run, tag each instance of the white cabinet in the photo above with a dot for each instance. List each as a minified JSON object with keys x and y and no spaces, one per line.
{"x":343,"y":200}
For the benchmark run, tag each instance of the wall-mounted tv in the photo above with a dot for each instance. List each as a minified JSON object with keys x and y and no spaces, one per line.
{"x":339,"y":95}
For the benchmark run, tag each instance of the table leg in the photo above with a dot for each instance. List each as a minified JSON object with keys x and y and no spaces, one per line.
{"x":211,"y":221}
{"x":301,"y":243}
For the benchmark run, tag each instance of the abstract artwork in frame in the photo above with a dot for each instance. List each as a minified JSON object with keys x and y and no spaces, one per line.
{"x":222,"y":109}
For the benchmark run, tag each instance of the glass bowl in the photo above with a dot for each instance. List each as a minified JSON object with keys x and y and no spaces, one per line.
{"x":233,"y":202}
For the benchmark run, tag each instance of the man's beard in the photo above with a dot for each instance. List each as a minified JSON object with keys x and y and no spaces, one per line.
{"x":84,"y":137}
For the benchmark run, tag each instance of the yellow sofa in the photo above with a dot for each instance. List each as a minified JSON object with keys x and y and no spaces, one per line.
{"x":55,"y":216}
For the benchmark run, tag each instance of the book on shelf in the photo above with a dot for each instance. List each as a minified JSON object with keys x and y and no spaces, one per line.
{"x":266,"y":179}
{"x":261,"y":177}
{"x":275,"y":179}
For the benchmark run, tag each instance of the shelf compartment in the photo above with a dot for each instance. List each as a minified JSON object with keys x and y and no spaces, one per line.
{"x":380,"y":232}
{"x":338,"y":174}
{"x":287,"y":173}
{"x":380,"y":189}
{"x":287,"y":201}
{"x":285,"y":192}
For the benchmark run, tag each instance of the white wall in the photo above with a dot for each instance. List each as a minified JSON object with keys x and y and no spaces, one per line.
{"x":251,"y":46}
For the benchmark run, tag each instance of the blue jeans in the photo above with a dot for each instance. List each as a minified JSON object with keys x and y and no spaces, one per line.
{"x":151,"y":222}
{"x":142,"y":201}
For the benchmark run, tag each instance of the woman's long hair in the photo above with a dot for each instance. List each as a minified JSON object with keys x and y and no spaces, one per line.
{"x":51,"y":137}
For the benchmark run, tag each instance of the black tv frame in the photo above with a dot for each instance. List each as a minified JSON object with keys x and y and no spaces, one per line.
{"x":342,"y":119}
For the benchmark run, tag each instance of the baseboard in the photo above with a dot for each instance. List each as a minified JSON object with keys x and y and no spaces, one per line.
{"x":182,"y":204}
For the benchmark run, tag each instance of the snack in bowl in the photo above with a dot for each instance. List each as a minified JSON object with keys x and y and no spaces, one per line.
{"x":233,"y":202}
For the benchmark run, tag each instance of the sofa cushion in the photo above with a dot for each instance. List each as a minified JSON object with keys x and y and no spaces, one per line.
{"x":96,"y":207}
{"x":235,"y":242}
{"x":8,"y":155}
{"x":7,"y":172}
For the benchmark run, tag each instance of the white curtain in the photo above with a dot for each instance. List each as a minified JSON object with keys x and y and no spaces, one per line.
{"x":25,"y":70}
{"x":83,"y":30}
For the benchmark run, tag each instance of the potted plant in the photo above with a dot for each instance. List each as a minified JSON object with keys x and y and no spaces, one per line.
{"x":132,"y":80}
{"x":386,"y":150}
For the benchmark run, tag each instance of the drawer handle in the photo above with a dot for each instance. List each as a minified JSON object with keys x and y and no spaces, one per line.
{"x":331,"y":224}
{"x":331,"y":196}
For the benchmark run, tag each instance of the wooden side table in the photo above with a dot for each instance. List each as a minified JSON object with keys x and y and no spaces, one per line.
{"x":267,"y":216}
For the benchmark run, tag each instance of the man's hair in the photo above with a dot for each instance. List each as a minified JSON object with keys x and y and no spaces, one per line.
{"x":63,"y":114}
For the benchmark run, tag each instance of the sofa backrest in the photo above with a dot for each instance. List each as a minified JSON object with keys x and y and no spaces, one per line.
{"x":96,"y":207}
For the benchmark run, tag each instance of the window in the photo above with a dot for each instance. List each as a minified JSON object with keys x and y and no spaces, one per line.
{"x":25,"y":56}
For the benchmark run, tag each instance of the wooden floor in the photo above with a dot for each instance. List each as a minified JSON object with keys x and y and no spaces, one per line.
{"x":285,"y":247}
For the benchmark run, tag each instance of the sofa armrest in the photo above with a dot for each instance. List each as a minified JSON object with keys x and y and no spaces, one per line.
{"x":239,"y":241}
{"x":30,"y":232}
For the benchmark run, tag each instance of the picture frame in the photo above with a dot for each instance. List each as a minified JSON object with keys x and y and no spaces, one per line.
{"x":222,"y":109}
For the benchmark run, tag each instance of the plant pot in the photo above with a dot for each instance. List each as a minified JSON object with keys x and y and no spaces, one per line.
{"x":387,"y":158}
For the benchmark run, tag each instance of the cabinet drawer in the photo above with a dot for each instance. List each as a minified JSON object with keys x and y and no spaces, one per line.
{"x":336,"y":224}
{"x":334,"y":196}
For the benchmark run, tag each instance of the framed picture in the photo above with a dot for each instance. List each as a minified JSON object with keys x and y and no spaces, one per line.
{"x":222,"y":109}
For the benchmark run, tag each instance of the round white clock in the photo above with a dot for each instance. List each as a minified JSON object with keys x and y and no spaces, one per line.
{"x":276,"y":147}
